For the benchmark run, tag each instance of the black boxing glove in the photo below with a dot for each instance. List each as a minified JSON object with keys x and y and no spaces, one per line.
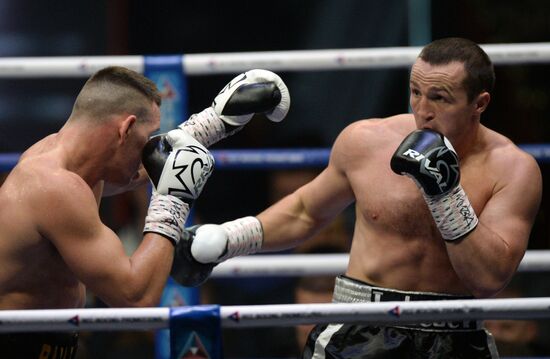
{"x":185,"y":269}
{"x":428,"y":158}
{"x":252,"y":92}
{"x":178,"y":167}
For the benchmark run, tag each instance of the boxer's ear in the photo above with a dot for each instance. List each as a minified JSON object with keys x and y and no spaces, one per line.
{"x":125,"y":126}
{"x":482,"y":101}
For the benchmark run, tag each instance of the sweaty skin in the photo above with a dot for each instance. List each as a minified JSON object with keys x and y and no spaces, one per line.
{"x":396,"y":243}
{"x":53,"y":244}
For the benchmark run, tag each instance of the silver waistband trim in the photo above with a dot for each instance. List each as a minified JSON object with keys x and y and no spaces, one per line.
{"x":347,"y":290}
{"x":350,"y":291}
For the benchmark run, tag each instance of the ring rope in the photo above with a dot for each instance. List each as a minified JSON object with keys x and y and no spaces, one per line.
{"x":280,"y":315}
{"x":280,"y":158}
{"x":308,"y":265}
{"x":298,"y":60}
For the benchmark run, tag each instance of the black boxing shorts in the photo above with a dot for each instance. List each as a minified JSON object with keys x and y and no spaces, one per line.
{"x":457,"y":339}
{"x":39,"y":345}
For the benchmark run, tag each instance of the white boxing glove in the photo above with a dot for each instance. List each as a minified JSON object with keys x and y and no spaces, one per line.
{"x":178,"y":167}
{"x":214,"y":243}
{"x":177,"y":164}
{"x":253,"y":92}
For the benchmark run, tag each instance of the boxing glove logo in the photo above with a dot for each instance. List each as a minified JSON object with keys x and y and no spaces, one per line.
{"x":192,"y":166}
{"x":435,"y":164}
{"x":229,"y":86}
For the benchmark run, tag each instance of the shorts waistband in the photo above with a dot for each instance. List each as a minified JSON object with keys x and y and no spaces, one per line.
{"x":349,"y":290}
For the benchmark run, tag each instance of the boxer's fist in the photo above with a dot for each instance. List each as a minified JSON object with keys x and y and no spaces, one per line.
{"x":210,"y":243}
{"x":177,"y":164}
{"x":185,"y":269}
{"x":250,"y":93}
{"x":253,"y":92}
{"x":178,"y":167}
{"x":430,"y":160}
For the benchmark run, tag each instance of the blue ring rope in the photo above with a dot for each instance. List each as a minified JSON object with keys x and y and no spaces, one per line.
{"x":262,"y":159}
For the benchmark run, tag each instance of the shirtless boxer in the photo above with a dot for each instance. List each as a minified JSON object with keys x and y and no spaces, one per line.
{"x":53,"y":245}
{"x":446,"y":232}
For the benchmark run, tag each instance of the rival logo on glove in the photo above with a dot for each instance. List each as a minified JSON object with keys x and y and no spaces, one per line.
{"x":446,"y":176}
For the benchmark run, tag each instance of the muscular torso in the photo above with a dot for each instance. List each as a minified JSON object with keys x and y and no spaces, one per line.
{"x":33,"y":273}
{"x":396,"y":243}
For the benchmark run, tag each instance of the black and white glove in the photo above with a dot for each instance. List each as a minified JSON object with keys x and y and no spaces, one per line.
{"x":430,"y":160}
{"x":253,"y":92}
{"x":178,"y":167}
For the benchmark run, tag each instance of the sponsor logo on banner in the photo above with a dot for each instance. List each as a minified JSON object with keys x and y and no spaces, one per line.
{"x":196,"y":349}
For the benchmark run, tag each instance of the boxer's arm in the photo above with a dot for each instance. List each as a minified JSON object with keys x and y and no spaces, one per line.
{"x":300,"y":215}
{"x":95,"y":254}
{"x":292,"y":220}
{"x":488,"y":257}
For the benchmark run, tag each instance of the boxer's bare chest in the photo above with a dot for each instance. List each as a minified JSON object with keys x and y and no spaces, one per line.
{"x":391,"y":202}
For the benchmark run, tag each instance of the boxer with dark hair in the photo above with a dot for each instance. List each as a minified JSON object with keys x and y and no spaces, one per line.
{"x":53,"y":244}
{"x":444,"y":208}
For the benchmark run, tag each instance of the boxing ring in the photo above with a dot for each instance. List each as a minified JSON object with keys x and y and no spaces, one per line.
{"x":122,"y":319}
{"x":256,"y":316}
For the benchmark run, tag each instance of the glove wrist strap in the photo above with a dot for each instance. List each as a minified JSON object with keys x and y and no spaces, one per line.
{"x":166,"y":216}
{"x":206,"y":127}
{"x":453,"y":214}
{"x":244,"y":236}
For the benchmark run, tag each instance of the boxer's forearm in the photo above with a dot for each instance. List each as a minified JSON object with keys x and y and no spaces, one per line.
{"x":484,"y":261}
{"x":286,"y":224}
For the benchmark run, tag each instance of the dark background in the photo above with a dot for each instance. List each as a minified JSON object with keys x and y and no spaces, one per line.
{"x":323,"y":102}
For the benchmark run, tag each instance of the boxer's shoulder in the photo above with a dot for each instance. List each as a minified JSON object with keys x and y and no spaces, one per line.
{"x":375,"y":133}
{"x":498,"y":161}
{"x":500,"y":144}
{"x":44,"y":183}
{"x":382,"y":128}
{"x":498,"y":152}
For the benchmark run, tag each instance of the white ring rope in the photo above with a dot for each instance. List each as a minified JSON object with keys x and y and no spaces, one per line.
{"x":45,"y":320}
{"x":280,"y":265}
{"x":299,"y":60}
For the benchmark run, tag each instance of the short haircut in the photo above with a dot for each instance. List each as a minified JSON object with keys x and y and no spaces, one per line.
{"x":116,"y":90}
{"x":480,"y":74}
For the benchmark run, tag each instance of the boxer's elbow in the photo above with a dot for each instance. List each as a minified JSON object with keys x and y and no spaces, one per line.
{"x":484,"y":292}
{"x":133,"y":298}
{"x":488,"y":285}
{"x":143,"y":302}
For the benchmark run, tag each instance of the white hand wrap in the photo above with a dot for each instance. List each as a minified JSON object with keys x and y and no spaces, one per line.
{"x":214,"y":243}
{"x":453,"y":214}
{"x":166,"y":216}
{"x":206,"y":127}
{"x":244,"y":236}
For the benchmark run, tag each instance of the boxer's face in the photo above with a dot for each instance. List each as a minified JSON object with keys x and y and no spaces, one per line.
{"x":128,"y":159}
{"x":439,"y":100}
